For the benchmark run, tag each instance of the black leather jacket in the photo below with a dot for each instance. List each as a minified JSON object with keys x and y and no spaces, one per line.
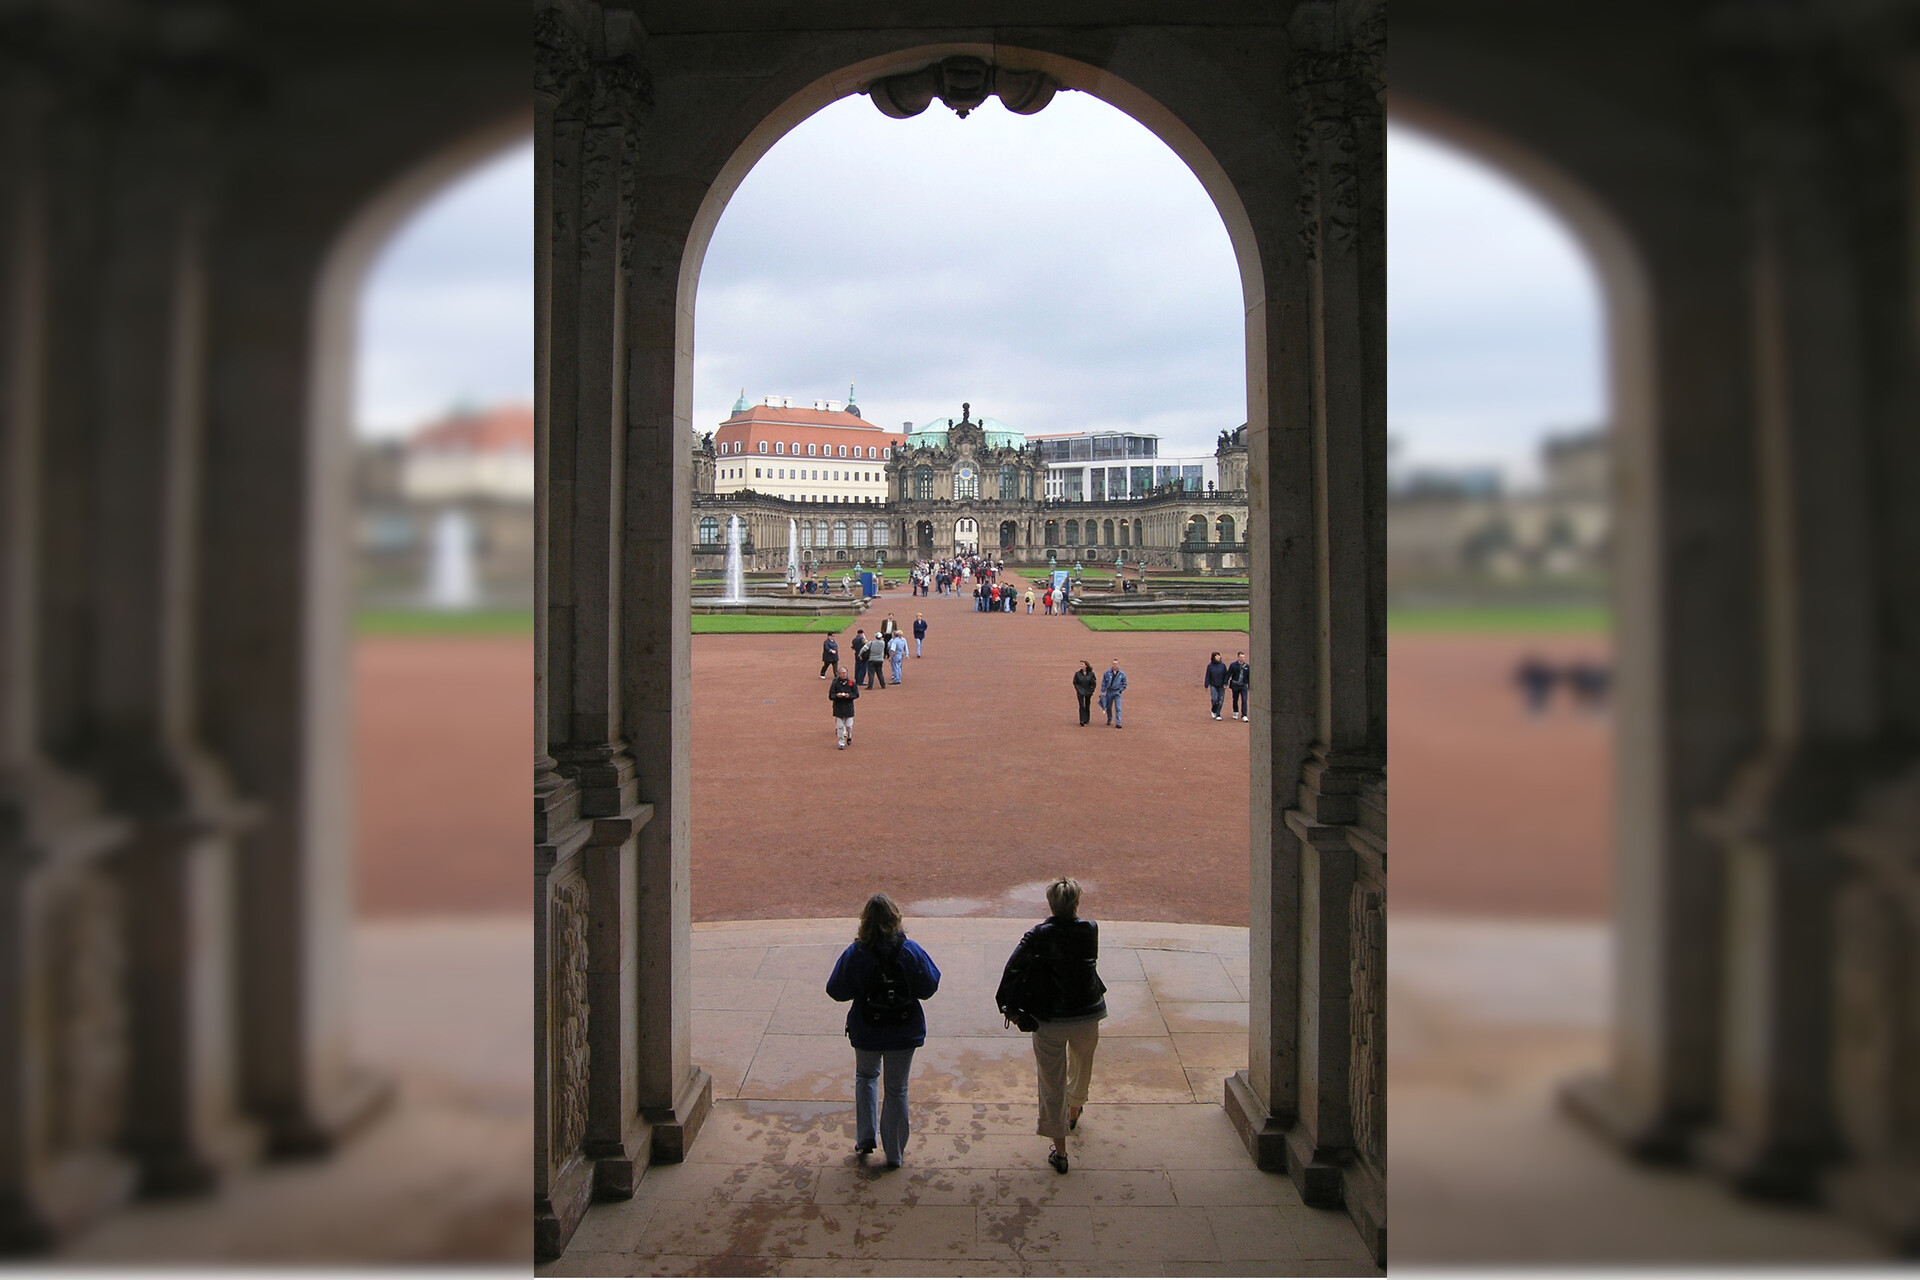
{"x":1067,"y":951}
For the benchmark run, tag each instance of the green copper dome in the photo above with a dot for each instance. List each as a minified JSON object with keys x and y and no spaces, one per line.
{"x":741,"y":405}
{"x":933,"y":434}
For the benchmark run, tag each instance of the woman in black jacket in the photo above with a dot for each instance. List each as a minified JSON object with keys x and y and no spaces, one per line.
{"x":1083,"y":682}
{"x":1055,"y":971}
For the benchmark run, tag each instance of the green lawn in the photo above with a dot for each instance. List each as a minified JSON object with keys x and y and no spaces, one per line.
{"x":736,"y":624}
{"x":1569,"y":619}
{"x":440,"y":622}
{"x":1166,"y":622}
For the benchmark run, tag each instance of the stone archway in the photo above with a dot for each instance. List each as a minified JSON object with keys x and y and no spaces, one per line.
{"x":1307,"y":1102}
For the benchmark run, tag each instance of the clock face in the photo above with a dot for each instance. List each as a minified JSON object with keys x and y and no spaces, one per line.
{"x":965,"y":473}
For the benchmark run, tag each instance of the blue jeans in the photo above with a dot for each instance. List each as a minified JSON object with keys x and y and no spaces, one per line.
{"x":1215,"y":692}
{"x":868,"y":1112}
{"x":896,"y":670}
{"x":1113,"y":707}
{"x":916,"y":645}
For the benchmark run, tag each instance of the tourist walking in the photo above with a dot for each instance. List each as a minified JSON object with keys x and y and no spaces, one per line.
{"x":841,"y":695}
{"x":1536,"y":679}
{"x":1051,"y":987}
{"x":1216,"y":683}
{"x":919,"y":632}
{"x":1239,"y":675}
{"x":1112,"y":684}
{"x":829,"y":656}
{"x":857,"y":655}
{"x":886,"y":975}
{"x":1029,"y":602}
{"x":897,"y":654}
{"x":1084,"y":681}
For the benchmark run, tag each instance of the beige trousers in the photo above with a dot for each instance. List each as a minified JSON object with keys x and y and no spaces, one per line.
{"x":1064,"y":1054}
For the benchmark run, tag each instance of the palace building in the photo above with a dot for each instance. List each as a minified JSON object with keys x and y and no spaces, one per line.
{"x":827,"y":453}
{"x":959,"y":485}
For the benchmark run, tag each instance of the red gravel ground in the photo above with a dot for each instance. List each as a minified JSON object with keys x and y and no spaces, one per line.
{"x":443,"y":756}
{"x":1492,"y":811}
{"x":973,"y":782}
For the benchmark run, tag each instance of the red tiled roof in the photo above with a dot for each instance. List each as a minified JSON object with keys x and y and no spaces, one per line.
{"x":798,"y":417}
{"x":801,"y":427}
{"x":503,"y":428}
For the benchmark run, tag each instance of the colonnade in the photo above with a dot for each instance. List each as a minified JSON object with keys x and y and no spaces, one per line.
{"x":186,"y":211}
{"x":642,"y":135}
{"x":1767,"y":629}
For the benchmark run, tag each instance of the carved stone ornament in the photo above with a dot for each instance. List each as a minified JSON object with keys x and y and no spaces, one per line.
{"x":1337,"y":79}
{"x":1367,"y":1020}
{"x":87,"y":1038}
{"x":572,"y":1052}
{"x":962,"y":83}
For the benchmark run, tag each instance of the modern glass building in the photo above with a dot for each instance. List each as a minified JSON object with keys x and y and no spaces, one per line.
{"x":1111,"y":466}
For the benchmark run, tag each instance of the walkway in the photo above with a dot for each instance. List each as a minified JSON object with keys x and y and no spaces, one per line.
{"x":1160,"y":1185}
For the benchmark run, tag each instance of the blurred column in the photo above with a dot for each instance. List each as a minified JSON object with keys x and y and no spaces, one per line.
{"x":1313,"y":1099}
{"x":63,"y":1010}
{"x":147,"y":361}
{"x":1802,"y":127}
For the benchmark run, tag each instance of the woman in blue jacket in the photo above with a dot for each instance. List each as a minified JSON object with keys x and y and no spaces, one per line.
{"x":886,"y":975}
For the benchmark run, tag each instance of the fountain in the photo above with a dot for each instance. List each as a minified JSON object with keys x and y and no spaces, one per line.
{"x":450,"y":582}
{"x":732,"y":595}
{"x":736,"y":588}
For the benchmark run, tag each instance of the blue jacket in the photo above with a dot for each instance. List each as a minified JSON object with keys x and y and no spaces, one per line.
{"x":851,"y":973}
{"x":1112,"y":682}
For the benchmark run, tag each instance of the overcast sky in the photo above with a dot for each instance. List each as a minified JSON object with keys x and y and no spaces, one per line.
{"x":1062,"y":272}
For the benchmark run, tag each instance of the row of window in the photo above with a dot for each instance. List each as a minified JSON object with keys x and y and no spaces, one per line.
{"x":780,"y":446}
{"x":816,"y":533}
{"x":1130,"y":533}
{"x":803,"y":473}
{"x":966,"y":484}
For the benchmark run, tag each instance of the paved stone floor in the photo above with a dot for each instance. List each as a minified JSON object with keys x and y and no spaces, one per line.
{"x":1485,"y":1020}
{"x":1160,"y":1183}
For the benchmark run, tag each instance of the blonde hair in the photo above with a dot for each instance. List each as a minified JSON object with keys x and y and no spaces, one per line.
{"x":1063,"y":896}
{"x":880,"y":924}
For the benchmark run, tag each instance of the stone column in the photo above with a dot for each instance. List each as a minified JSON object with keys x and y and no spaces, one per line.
{"x":600,"y":822}
{"x":1319,"y":509}
{"x":63,"y":1004}
{"x":1820,"y":695}
{"x":657,"y":644}
{"x":147,"y":363}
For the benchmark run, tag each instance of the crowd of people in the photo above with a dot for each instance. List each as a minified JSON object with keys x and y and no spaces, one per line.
{"x":1050,"y":988}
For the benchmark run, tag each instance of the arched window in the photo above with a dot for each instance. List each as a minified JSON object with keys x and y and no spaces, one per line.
{"x":763,"y":446}
{"x":810,"y":451}
{"x":1226,"y":529}
{"x":966,"y":486}
{"x":820,"y":534}
{"x":1109,"y":532}
{"x":843,"y":451}
{"x":1197,"y":529}
{"x":1053,"y":533}
{"x":1139,"y":539}
{"x":1126,"y":531}
{"x":859,"y":533}
{"x":923,"y":483}
{"x":806,"y":533}
{"x":1073,"y":533}
{"x":881,"y":533}
{"x":709,"y":529}
{"x":873,"y":452}
{"x":1009,"y":484}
